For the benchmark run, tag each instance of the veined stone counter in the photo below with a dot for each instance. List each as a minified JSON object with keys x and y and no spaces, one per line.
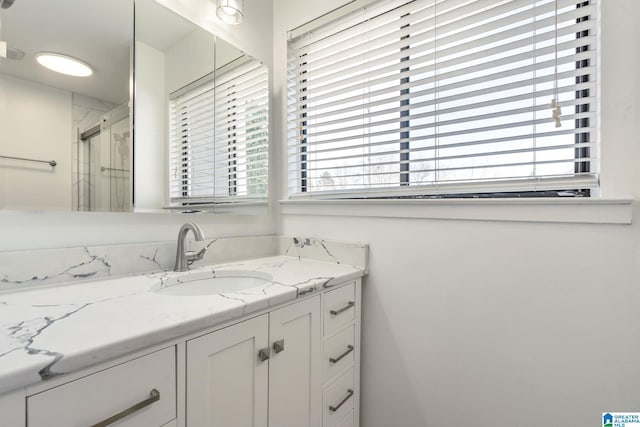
{"x":51,"y":330}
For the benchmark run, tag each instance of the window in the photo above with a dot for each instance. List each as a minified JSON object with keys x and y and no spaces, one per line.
{"x":219,"y":137}
{"x":449,"y":97}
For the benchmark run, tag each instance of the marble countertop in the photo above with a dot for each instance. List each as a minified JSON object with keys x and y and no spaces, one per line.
{"x":48,"y":331}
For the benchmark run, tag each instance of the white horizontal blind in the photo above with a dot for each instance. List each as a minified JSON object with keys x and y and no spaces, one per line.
{"x":242,"y":132}
{"x":451,"y":96}
{"x":219,"y":137}
{"x":191,"y":129}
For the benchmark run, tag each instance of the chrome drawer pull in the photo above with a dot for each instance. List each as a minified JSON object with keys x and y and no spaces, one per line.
{"x":342,"y":402}
{"x":339,"y":358}
{"x":278,"y":346}
{"x":154,"y":396}
{"x":343,"y":309}
{"x":264,"y":354}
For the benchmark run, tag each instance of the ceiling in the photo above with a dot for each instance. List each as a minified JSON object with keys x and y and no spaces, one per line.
{"x":98,"y":32}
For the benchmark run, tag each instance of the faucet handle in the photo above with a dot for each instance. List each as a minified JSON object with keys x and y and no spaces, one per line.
{"x":192,"y":256}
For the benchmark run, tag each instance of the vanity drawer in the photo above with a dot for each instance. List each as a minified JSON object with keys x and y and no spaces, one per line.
{"x":338,"y":400}
{"x":339,"y":308}
{"x":338,"y":353}
{"x":150,"y":379}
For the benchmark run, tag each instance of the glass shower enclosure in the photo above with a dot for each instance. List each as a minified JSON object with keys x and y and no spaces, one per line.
{"x":104,"y":164}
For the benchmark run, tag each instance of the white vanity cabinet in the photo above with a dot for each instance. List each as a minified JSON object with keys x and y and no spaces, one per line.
{"x":262,"y":372}
{"x":341,"y":356}
{"x":296,"y":365}
{"x":13,"y":409}
{"x":227,"y":381}
{"x":138,"y":393}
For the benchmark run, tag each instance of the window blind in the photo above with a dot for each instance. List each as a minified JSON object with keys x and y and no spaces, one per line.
{"x":432,"y":97}
{"x":219,"y":137}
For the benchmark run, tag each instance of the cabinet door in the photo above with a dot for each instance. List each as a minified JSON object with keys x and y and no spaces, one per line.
{"x":295,"y":368}
{"x":227,"y":383}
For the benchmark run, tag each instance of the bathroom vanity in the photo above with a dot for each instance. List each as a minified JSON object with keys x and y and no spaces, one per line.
{"x":166,"y":349}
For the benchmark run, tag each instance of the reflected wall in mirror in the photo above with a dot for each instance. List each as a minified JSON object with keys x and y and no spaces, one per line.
{"x":200,"y":109}
{"x":203,"y":117}
{"x":80,"y":123}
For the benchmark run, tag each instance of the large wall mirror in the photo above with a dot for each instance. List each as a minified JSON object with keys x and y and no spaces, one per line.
{"x":190,"y":135}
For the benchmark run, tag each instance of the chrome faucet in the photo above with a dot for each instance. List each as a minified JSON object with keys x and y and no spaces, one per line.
{"x":183,"y":258}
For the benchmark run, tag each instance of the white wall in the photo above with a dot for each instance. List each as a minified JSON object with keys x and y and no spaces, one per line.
{"x":464,"y":320}
{"x":33,"y":229}
{"x":150,"y":153}
{"x":189,"y":59}
{"x":27,"y":185}
{"x":225,"y":53}
{"x":499,"y":323}
{"x":252,"y":36}
{"x":158,"y":74}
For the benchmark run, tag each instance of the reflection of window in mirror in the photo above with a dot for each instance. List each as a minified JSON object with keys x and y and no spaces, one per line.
{"x":232,"y":166}
{"x":170,"y":52}
{"x":81,"y":123}
{"x":201,"y":117}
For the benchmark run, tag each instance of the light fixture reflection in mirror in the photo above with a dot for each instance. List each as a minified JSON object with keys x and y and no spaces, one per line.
{"x":64,"y":64}
{"x":230,"y":11}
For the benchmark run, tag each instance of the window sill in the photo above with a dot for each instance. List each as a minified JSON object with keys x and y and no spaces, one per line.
{"x":574,"y":210}
{"x":237,"y":208}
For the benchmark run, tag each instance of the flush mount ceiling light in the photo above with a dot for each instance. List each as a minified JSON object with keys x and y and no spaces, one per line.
{"x":230,"y":11}
{"x":64,"y":64}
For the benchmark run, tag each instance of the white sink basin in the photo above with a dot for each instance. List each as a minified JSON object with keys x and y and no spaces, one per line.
{"x":224,"y":282}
